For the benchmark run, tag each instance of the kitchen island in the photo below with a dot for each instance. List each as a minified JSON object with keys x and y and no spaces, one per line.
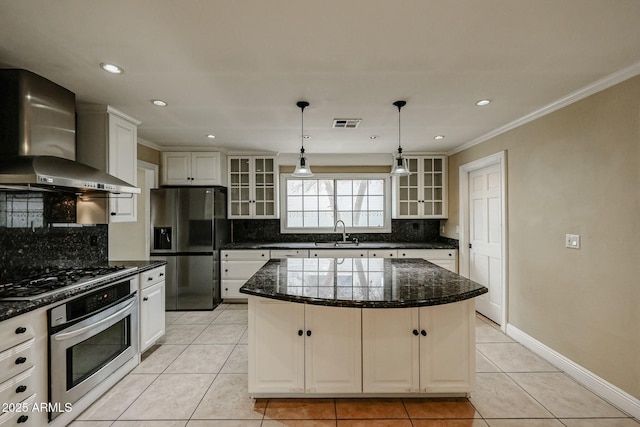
{"x":359,"y":327}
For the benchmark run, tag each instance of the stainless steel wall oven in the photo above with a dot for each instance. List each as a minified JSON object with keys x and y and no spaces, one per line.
{"x":90,"y":337}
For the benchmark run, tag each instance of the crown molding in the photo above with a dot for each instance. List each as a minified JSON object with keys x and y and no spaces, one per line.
{"x":595,"y":87}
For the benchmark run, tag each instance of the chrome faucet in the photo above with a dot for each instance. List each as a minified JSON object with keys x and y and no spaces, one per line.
{"x":344,"y":229}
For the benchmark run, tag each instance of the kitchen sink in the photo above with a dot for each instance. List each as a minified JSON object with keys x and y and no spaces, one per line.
{"x":337,"y":243}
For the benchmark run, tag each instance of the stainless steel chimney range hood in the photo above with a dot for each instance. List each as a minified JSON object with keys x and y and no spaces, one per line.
{"x":38,"y":139}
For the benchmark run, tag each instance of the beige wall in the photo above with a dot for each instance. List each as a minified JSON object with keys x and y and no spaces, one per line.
{"x":576,"y":170}
{"x":127,"y":240}
{"x":148,"y":154}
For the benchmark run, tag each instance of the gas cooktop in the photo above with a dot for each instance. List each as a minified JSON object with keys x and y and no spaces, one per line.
{"x":41,"y":283}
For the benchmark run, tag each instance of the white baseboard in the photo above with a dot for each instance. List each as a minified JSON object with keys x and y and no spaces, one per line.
{"x":599,"y":386}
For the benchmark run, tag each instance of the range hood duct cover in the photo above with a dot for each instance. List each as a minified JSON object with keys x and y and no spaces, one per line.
{"x":38,"y":139}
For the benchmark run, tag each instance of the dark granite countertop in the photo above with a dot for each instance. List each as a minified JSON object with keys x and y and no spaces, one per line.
{"x":360,"y":282}
{"x":361,"y":245}
{"x":9,"y":309}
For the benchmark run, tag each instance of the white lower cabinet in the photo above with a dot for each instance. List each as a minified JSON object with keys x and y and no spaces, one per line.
{"x":424,"y":350}
{"x":297,"y":348}
{"x":445,"y":258}
{"x":23,"y":368}
{"x":152,"y":307}
{"x":237,"y":266}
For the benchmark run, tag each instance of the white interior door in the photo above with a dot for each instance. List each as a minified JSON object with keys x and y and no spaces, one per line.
{"x":485,"y":238}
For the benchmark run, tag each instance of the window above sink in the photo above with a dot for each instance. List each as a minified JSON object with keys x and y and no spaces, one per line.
{"x":362,"y":201}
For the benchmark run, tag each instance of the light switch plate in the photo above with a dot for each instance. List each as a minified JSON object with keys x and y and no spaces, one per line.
{"x":572,"y":241}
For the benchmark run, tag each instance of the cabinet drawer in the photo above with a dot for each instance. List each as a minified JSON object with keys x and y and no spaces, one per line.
{"x":231,"y":289}
{"x":23,"y":415}
{"x":16,"y":360}
{"x":18,"y":388}
{"x":240,"y":269}
{"x":382,"y":253}
{"x":151,"y":277}
{"x":428,"y":254}
{"x":245,"y":255}
{"x":289,"y":253}
{"x":15,"y":331}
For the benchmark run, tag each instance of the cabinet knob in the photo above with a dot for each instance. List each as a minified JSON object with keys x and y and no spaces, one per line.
{"x":226,"y":270}
{"x":21,"y":389}
{"x":20,"y":360}
{"x":22,"y":419}
{"x":113,"y":214}
{"x":226,"y":289}
{"x":21,"y":330}
{"x":161,"y":274}
{"x":300,"y":332}
{"x":415,"y":332}
{"x":423,"y":333}
{"x":145,"y":299}
{"x":308,"y":332}
{"x":149,"y":279}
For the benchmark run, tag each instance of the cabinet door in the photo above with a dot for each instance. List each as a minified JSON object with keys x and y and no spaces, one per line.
{"x":123,"y":157}
{"x":409,"y":192}
{"x":390,"y":350}
{"x":151,"y":315}
{"x":205,"y":168}
{"x":231,"y":289}
{"x":265,"y":198}
{"x":176,"y":168}
{"x":333,"y":362}
{"x":433,"y":187}
{"x":276,"y":325}
{"x":240,"y":186}
{"x":447,"y":352}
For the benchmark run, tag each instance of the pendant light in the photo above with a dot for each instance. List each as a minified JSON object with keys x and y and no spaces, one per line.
{"x":400,"y":167}
{"x":302,"y":167}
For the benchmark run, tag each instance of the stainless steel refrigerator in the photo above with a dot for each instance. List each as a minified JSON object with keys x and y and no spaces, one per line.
{"x":188,"y":227}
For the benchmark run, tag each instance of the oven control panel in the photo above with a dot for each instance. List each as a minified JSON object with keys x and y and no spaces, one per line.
{"x":87,"y":304}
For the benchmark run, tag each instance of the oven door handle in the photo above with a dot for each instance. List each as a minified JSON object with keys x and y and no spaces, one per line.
{"x":67,"y":335}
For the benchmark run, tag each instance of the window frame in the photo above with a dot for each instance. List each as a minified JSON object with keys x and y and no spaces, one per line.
{"x":388,"y":202}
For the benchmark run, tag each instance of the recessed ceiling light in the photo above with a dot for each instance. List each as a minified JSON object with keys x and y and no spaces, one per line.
{"x":483,"y":102}
{"x":211,"y":136}
{"x":111,"y":68}
{"x":159,"y":103}
{"x":438,"y":137}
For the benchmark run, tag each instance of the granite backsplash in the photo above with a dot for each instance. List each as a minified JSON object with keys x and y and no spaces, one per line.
{"x":64,"y":247}
{"x":38,"y":230}
{"x":261,"y":230}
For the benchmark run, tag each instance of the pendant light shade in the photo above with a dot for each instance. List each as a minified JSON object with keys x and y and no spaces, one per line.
{"x":302,"y":166}
{"x":400,"y":166}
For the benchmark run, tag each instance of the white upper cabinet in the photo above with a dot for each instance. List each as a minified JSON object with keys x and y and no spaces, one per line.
{"x":423,"y":194}
{"x":253,"y":187}
{"x":191,"y":168}
{"x":107,"y":139}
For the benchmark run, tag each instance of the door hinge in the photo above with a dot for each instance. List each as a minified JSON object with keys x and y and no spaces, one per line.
{"x":470,"y":245}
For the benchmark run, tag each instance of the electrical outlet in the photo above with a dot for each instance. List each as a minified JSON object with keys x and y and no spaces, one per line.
{"x":572,"y":241}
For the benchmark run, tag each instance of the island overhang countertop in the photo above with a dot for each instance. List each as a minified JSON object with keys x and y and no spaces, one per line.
{"x":360,"y":282}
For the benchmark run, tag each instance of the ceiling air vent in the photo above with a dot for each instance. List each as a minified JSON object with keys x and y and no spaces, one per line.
{"x":346,"y":123}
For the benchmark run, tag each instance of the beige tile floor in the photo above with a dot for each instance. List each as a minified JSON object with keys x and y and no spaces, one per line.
{"x":197,"y":377}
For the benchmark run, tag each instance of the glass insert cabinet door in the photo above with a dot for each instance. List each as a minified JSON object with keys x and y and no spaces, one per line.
{"x":252,"y":187}
{"x":423,"y":194}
